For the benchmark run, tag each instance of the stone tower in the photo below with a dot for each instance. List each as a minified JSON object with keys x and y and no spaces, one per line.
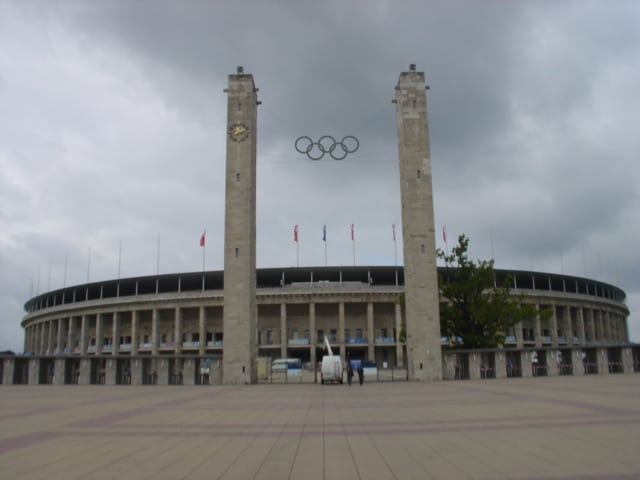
{"x":240,"y":311}
{"x":422,"y":312}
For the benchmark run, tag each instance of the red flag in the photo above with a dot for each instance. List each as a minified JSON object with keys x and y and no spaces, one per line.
{"x":202,"y":238}
{"x":444,"y":233}
{"x":393,"y":227}
{"x":295,"y":233}
{"x":353,"y":236}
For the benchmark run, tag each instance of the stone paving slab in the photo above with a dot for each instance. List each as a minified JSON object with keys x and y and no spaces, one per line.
{"x":535,"y":428}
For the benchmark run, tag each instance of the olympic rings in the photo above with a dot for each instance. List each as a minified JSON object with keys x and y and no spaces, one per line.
{"x":327,"y":144}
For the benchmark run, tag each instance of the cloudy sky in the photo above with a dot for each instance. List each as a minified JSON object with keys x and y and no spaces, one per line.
{"x":113,"y":118}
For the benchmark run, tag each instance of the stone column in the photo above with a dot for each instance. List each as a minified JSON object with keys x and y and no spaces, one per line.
{"x":110,"y":372}
{"x":40,"y":339}
{"x":71,"y":336}
{"x":538,"y":327}
{"x":154,"y":331}
{"x":371,"y":334}
{"x":50,"y":337}
{"x":598,"y":325}
{"x":576,"y":360}
{"x":518,"y":333}
{"x":136,"y":370}
{"x":34,"y":372}
{"x":399,"y":344}
{"x":606,"y":323}
{"x":603,"y":361}
{"x":422,"y":317}
{"x":501,"y":364}
{"x":343,"y":347}
{"x":84,"y":333}
{"x":99,"y":333}
{"x":568,"y":325}
{"x":312,"y":333}
{"x":283,"y":330}
{"x":115,"y":334}
{"x":59,"y":337}
{"x":240,"y":311}
{"x":134,"y":335}
{"x":189,"y":372}
{"x":202,"y":330}
{"x":552,"y":363}
{"x":554,"y":325}
{"x":177,"y":328}
{"x":591,"y":330}
{"x":58,"y":371}
{"x":9,"y":368}
{"x":627,"y":359}
{"x":581,"y":330}
{"x":27,"y":340}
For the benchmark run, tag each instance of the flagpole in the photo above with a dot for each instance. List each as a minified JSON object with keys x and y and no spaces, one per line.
{"x":446,"y":248}
{"x":324,"y":239}
{"x":353,"y":241}
{"x":158,"y":266}
{"x":204,"y":248}
{"x":295,"y":239}
{"x":203,"y":244}
{"x":444,"y":237}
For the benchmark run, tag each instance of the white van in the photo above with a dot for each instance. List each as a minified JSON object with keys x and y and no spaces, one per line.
{"x":331,"y":370}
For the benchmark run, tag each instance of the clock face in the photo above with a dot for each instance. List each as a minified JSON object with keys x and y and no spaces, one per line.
{"x":238,"y":132}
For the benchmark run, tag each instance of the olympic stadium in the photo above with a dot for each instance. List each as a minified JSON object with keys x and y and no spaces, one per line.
{"x":168,"y":329}
{"x":226,"y":327}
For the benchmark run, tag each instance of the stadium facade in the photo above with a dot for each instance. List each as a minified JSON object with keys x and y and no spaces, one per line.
{"x":225,"y":326}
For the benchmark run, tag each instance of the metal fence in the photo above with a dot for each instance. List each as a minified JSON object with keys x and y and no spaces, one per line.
{"x":310,"y":375}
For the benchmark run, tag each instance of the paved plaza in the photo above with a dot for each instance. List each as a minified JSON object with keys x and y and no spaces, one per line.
{"x":534,"y":428}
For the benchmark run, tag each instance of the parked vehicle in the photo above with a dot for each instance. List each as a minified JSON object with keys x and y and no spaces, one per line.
{"x":331,"y":369}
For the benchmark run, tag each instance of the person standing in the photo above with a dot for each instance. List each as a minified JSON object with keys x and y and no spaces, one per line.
{"x":360,"y":374}
{"x":349,"y":372}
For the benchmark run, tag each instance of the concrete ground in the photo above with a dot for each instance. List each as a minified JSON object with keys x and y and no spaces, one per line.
{"x":533,"y":428}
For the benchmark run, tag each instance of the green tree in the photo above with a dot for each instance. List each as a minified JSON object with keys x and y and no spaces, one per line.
{"x":475,"y":309}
